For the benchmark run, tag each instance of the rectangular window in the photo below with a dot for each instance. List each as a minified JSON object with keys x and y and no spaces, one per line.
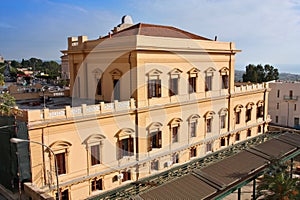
{"x":248,"y":133}
{"x":154,"y":140}
{"x":248,"y":115}
{"x":208,"y":83}
{"x":192,"y":84}
{"x":126,"y":147}
{"x":154,"y":88}
{"x":276,"y":119}
{"x":193,"y":129}
{"x":193,"y":152}
{"x":259,"y":129}
{"x":296,"y":121}
{"x":237,"y":117}
{"x":96,"y":185}
{"x":95,"y":154}
{"x":173,"y":87}
{"x":295,"y":107}
{"x":237,"y":137}
{"x":277,"y":106}
{"x":126,"y":176}
{"x":291,"y":94}
{"x":208,"y":125}
{"x":174,"y":134}
{"x":225,"y":81}
{"x":223,"y":121}
{"x":278,"y":93}
{"x":63,"y":195}
{"x":208,"y":147}
{"x":175,"y":158}
{"x":61,"y":163}
{"x":99,"y":87}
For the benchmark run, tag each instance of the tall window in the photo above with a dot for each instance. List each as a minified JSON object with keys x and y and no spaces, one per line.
{"x":99,"y":87}
{"x":277,"y":106}
{"x":193,"y":152}
{"x":154,"y":140}
{"x":237,"y":137}
{"x":154,"y":165}
{"x":154,"y":83}
{"x":259,"y":129}
{"x":260,"y":111}
{"x":208,"y":147}
{"x":223,"y":121}
{"x":208,"y":125}
{"x":295,"y":107}
{"x":61,"y":163}
{"x":193,"y":129}
{"x":154,"y":88}
{"x":173,"y":86}
{"x":208,"y":83}
{"x":192,"y":84}
{"x":95,"y":154}
{"x":174,"y":82}
{"x":175,"y":158}
{"x":296,"y":121}
{"x":248,"y":114}
{"x":278,"y":93}
{"x":276,"y":119}
{"x":96,"y":184}
{"x":291,"y":93}
{"x":126,"y":147}
{"x":225,"y":81}
{"x":249,"y":133}
{"x":174,"y":134}
{"x":223,"y":142}
{"x":237,"y":117}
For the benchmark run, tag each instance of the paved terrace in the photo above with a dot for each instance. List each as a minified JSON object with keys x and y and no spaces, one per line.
{"x":215,"y":175}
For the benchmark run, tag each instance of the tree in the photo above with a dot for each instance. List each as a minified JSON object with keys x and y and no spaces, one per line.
{"x":2,"y":83}
{"x":277,"y":184}
{"x":259,"y":73}
{"x":6,"y":103}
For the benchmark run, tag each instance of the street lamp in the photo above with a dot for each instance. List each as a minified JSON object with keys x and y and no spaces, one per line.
{"x":18,"y":140}
{"x":44,"y":88}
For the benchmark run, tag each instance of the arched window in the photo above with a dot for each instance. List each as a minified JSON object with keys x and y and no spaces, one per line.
{"x":223,"y":117}
{"x":193,"y":124}
{"x":125,"y":142}
{"x":154,"y":135}
{"x":249,"y":107}
{"x":237,"y":113}
{"x":98,"y":78}
{"x":61,"y":150}
{"x":94,"y":145}
{"x":260,"y":109}
{"x":208,"y":121}
{"x":116,"y":76}
{"x":175,"y":129}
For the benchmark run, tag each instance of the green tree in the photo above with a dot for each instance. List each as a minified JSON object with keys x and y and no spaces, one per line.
{"x":277,"y":184}
{"x":6,"y":103}
{"x":2,"y":79}
{"x":259,"y":73}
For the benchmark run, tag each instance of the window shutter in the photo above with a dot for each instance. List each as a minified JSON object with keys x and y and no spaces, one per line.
{"x":130,"y":148}
{"x":149,"y":89}
{"x":120,"y":151}
{"x":158,"y":88}
{"x":159,"y":139}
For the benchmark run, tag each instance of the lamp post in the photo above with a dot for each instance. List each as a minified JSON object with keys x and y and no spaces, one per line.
{"x":18,"y":140}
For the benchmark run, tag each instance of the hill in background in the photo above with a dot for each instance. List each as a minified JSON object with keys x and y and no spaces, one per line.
{"x":238,"y":77}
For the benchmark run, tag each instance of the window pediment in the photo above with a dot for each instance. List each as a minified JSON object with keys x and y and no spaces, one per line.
{"x":97,"y":72}
{"x":58,"y":145}
{"x":124,"y":133}
{"x":223,"y":111}
{"x":94,"y":138}
{"x":193,"y":118}
{"x":260,"y":103}
{"x":193,"y":72}
{"x":116,"y":74}
{"x":175,"y":122}
{"x":154,"y":72}
{"x":209,"y":71}
{"x":224,"y":71}
{"x":238,"y":108}
{"x":175,"y":71}
{"x":209,"y":114}
{"x":249,"y":105}
{"x":154,"y":125}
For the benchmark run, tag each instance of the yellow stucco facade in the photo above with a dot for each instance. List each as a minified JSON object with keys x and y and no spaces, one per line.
{"x":161,"y":100}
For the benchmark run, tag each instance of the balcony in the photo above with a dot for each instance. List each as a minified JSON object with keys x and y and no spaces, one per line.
{"x":290,"y":98}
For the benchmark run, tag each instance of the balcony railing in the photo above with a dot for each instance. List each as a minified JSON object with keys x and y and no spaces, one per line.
{"x":290,"y":98}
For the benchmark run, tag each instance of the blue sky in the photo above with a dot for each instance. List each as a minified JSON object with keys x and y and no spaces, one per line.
{"x":266,"y":31}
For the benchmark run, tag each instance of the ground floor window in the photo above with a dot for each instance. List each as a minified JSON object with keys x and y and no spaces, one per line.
{"x":96,"y":184}
{"x":126,"y":176}
{"x":193,"y":152}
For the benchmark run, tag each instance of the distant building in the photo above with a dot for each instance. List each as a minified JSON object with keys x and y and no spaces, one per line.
{"x":1,"y":59}
{"x":284,"y":103}
{"x":163,"y":97}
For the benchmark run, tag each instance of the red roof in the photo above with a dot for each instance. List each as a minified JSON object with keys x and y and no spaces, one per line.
{"x":156,"y":31}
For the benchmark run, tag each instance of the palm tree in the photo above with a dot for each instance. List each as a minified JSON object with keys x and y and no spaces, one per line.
{"x":277,"y":184}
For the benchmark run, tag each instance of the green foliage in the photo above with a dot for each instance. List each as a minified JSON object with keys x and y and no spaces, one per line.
{"x":277,"y":184}
{"x":6,"y":102}
{"x":2,"y":79}
{"x":259,"y":73}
